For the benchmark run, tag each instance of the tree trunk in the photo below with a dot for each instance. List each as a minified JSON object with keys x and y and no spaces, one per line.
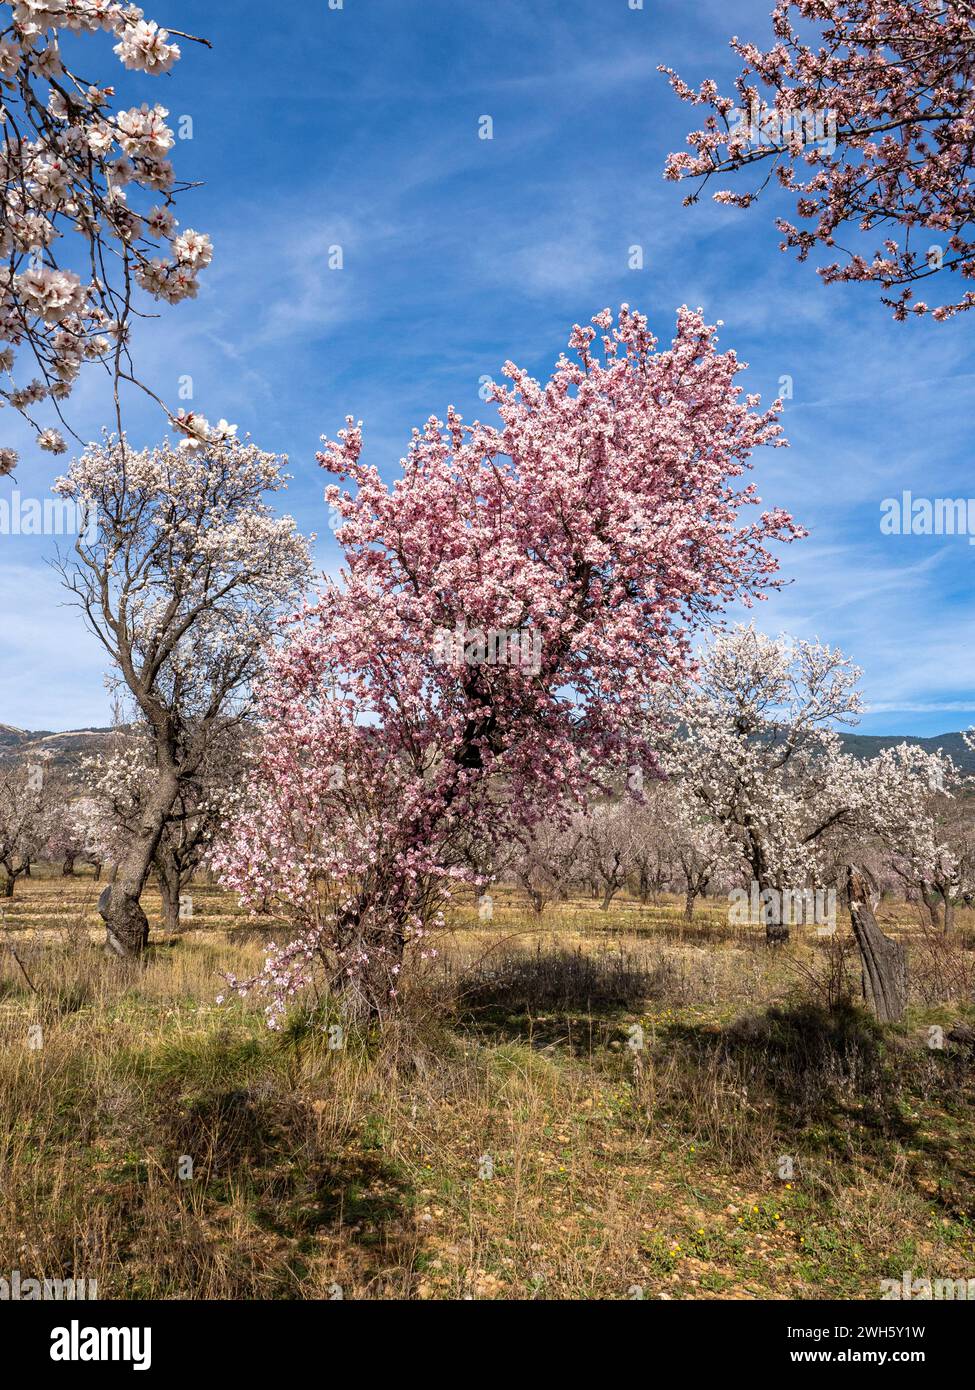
{"x":930,"y":900}
{"x":689,"y":897}
{"x":169,"y":892}
{"x":884,"y":960}
{"x":127,"y":927}
{"x":67,"y":868}
{"x":368,"y":993}
{"x":949,"y":915}
{"x":776,"y":931}
{"x":7,"y":886}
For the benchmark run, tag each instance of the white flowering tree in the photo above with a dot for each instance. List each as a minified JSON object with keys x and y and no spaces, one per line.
{"x":25,"y":820}
{"x":122,"y":781}
{"x":652,"y":849}
{"x":607,"y":847}
{"x":88,"y":208}
{"x":753,"y":743}
{"x":204,"y":804}
{"x":700,"y":847}
{"x":182,"y":578}
{"x":933,"y":853}
{"x":543,"y":859}
{"x":78,"y":830}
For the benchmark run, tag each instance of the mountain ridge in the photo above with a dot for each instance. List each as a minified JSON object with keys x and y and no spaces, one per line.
{"x":66,"y":743}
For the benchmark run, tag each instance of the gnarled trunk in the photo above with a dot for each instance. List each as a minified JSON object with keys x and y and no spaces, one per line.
{"x":11,"y":871}
{"x":884,"y":960}
{"x":127,"y":927}
{"x":168,"y":880}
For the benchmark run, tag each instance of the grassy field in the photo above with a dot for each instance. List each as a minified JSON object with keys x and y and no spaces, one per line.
{"x":596,"y":1105}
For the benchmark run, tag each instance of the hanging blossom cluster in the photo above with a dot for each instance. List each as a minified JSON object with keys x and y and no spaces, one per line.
{"x":88,"y":196}
{"x":895,"y":80}
{"x":606,"y":516}
{"x":116,"y":782}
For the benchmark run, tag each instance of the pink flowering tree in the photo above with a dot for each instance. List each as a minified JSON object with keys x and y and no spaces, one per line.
{"x":505,"y":610}
{"x":865,"y":110}
{"x":87,"y":216}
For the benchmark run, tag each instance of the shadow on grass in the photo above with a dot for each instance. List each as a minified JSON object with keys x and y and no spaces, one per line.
{"x":305,"y":1186}
{"x":829,"y":1081}
{"x":702,"y":931}
{"x":553,"y":996}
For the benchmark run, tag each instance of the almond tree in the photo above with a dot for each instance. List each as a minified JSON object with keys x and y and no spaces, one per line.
{"x":25,"y":825}
{"x":753,"y":742}
{"x":122,"y":783}
{"x":933,"y":854}
{"x":87,"y":216}
{"x":652,"y":850}
{"x":607,"y":848}
{"x":870,"y":123}
{"x":182,"y":574}
{"x":76,"y":831}
{"x":699,"y":845}
{"x":544,"y":858}
{"x":201,"y":807}
{"x":504,"y":612}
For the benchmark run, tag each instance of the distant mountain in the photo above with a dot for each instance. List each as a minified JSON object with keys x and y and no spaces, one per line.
{"x":68,"y":746}
{"x":63,"y":748}
{"x":869,"y":745}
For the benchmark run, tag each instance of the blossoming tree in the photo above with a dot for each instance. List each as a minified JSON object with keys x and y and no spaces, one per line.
{"x":25,"y":820}
{"x":870,"y":124}
{"x":87,"y":207}
{"x":505,"y":610}
{"x":77,"y":829}
{"x":933,"y":855}
{"x":754,"y":740}
{"x":182,"y":576}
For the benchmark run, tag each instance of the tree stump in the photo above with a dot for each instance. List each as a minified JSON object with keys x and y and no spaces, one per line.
{"x":884,"y":960}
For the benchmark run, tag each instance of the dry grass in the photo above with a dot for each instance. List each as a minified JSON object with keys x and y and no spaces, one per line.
{"x":593,"y":1106}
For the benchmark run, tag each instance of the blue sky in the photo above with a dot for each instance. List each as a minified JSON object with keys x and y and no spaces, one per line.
{"x":359,"y":127}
